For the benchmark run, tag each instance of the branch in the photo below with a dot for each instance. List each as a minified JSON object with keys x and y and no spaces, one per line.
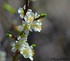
{"x":15,"y":56}
{"x":27,"y":6}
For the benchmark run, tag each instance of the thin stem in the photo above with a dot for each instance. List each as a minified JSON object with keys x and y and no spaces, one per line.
{"x":27,"y":6}
{"x":14,"y":37}
{"x":15,"y":56}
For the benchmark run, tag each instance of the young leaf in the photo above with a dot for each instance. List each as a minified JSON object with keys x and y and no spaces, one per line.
{"x":42,"y":15}
{"x":9,"y":34}
{"x":9,"y":8}
{"x":33,"y":45}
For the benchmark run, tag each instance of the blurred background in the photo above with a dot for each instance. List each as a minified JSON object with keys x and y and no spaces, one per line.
{"x":53,"y":42}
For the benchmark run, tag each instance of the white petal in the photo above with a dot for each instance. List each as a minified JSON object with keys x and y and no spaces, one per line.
{"x":22,"y":16}
{"x":29,"y":10}
{"x":19,"y":10}
{"x":36,"y":15}
{"x":36,"y":29}
{"x":24,"y":7}
{"x":31,"y":47}
{"x":31,"y":58}
{"x":38,"y":23}
{"x":13,"y":49}
{"x":19,"y":37}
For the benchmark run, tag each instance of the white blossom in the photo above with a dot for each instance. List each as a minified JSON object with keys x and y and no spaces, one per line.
{"x":27,"y":27}
{"x":27,"y":52}
{"x":37,"y":26}
{"x":24,"y":49}
{"x":15,"y":46}
{"x":21,"y":12}
{"x":29,"y":17}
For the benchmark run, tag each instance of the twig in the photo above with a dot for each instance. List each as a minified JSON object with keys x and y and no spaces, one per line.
{"x":27,"y":6}
{"x":14,"y":37}
{"x":16,"y":55}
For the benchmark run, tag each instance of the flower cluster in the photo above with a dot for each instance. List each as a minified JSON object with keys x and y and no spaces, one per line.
{"x":31,"y":22}
{"x":24,"y":48}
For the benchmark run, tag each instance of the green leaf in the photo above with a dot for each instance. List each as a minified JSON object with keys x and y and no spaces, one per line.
{"x":9,"y":8}
{"x":33,"y":45}
{"x":9,"y":34}
{"x":42,"y":15}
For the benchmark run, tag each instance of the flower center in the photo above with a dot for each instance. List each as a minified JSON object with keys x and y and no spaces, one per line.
{"x":25,"y":51}
{"x":39,"y":27}
{"x":30,"y":19}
